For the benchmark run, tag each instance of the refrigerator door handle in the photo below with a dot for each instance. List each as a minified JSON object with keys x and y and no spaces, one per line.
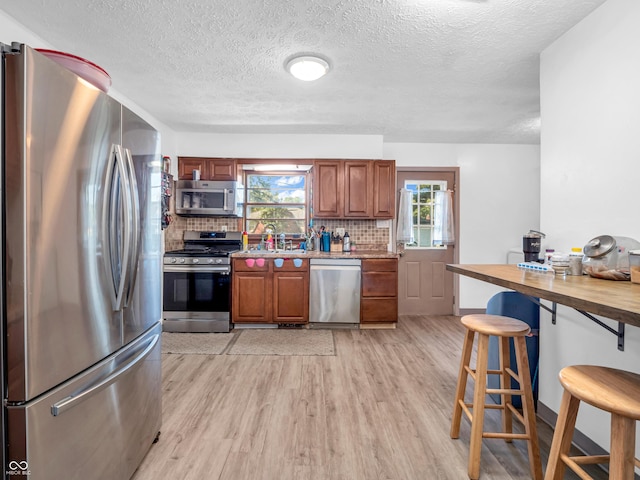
{"x":69,"y":402}
{"x":109,"y":218}
{"x":135,"y":233}
{"x":116,"y":214}
{"x":116,"y":265}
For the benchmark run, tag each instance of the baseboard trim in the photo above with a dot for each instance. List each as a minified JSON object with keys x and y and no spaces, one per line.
{"x":472,"y":311}
{"x":580,"y":440}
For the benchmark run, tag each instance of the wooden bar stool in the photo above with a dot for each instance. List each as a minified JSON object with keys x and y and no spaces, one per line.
{"x":611,"y":390}
{"x":504,"y":328}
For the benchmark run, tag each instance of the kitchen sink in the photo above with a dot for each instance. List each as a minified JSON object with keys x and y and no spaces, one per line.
{"x":273,"y":252}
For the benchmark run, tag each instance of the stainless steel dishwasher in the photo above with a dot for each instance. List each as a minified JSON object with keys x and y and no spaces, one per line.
{"x":334,"y":291}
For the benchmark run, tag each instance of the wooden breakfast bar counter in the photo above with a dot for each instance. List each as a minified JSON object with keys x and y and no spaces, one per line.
{"x":617,"y":300}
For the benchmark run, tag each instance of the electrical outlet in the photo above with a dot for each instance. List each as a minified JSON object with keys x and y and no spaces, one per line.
{"x":223,"y":228}
{"x":340,"y":232}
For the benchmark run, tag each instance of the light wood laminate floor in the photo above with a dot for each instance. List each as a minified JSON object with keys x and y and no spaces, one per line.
{"x":379,"y":409}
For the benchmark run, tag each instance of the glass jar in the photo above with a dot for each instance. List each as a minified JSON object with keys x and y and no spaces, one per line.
{"x":560,"y":263}
{"x":634,"y":265}
{"x":575,"y":261}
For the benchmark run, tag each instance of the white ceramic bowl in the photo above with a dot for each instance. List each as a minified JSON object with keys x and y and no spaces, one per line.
{"x":91,"y":72}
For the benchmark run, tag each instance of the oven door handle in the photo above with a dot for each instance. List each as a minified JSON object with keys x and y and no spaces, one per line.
{"x":190,"y":269}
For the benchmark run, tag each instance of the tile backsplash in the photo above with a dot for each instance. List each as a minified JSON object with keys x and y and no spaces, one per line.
{"x":173,"y":235}
{"x":364,"y":233}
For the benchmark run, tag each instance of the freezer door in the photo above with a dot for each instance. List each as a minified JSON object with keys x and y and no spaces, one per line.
{"x":143,"y":304}
{"x":99,"y":425}
{"x":59,"y":133}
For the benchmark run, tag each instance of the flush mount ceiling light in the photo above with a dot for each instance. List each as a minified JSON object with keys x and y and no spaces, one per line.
{"x":307,"y":67}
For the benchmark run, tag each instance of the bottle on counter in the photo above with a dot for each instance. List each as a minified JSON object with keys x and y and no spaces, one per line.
{"x":346,"y":242}
{"x":548,"y":253}
{"x":245,"y":241}
{"x":575,"y":261}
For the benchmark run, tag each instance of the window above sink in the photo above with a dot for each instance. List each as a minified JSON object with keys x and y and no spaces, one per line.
{"x":279,"y":198}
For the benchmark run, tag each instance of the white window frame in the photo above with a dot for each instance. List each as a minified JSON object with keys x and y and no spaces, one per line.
{"x":443,"y":186}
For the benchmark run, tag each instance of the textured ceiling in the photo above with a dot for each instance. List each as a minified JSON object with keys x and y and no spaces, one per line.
{"x":411,"y":70}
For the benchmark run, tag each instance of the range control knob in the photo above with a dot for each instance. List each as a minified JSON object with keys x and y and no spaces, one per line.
{"x":182,"y":260}
{"x":218,"y":260}
{"x":174,"y":260}
{"x":195,"y":260}
{"x":210,"y":260}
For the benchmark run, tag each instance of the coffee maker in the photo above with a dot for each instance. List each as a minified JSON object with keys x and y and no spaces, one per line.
{"x":531,"y":243}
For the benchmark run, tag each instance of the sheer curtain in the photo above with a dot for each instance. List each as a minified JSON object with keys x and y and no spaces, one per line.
{"x":404,"y":233}
{"x":443,"y":218}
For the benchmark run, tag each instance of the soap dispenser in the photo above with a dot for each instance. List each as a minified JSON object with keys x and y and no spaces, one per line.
{"x":346,"y":242}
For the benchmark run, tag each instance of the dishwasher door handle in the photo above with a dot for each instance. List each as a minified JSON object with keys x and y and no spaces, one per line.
{"x":348,"y":268}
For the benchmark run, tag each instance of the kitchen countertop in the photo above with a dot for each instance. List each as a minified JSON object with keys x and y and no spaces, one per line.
{"x":618,"y":300}
{"x":362,"y":254}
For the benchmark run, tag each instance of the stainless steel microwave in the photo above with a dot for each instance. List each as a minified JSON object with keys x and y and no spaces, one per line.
{"x":209,"y":198}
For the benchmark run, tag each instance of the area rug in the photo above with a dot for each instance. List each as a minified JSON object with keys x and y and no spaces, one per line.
{"x":196,"y":343}
{"x":283,"y":342}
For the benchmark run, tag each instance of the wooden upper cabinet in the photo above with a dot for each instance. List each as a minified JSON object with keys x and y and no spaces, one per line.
{"x":210,"y":168}
{"x":354,"y":189}
{"x":222,"y":169}
{"x":328,"y":181}
{"x":357,"y":188}
{"x":384,"y":188}
{"x":186,"y":166}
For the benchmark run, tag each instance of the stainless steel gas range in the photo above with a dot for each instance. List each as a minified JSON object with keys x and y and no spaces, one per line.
{"x":197,"y":283}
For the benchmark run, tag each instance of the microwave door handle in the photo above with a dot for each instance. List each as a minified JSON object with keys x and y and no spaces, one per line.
{"x":225,"y":205}
{"x":135,"y":225}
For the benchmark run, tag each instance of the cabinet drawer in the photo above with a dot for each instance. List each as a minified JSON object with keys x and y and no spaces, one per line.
{"x":379,"y":284}
{"x":241,"y":265}
{"x":288,"y":265}
{"x":380,"y":265}
{"x":379,"y":310}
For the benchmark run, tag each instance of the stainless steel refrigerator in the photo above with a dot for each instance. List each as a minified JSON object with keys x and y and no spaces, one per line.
{"x":81,"y":273}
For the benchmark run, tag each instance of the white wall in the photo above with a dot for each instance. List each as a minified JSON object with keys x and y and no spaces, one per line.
{"x":590,"y":171}
{"x":499,"y":196}
{"x":500,"y":184}
{"x":13,"y":31}
{"x":279,"y":146}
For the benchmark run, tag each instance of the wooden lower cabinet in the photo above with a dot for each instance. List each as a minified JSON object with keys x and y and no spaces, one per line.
{"x":379,"y":301}
{"x":251,"y":301}
{"x":270,"y":294}
{"x":291,"y":297}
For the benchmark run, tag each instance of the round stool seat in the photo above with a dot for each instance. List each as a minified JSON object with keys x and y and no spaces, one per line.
{"x":608,"y":389}
{"x":496,"y":325}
